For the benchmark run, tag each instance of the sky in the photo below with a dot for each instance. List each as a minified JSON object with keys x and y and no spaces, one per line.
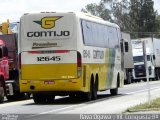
{"x":14,"y":9}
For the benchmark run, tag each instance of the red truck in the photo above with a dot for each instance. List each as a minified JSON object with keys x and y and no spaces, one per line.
{"x":4,"y":69}
{"x":9,"y":73}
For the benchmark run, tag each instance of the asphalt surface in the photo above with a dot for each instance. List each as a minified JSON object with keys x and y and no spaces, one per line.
{"x":64,"y":107}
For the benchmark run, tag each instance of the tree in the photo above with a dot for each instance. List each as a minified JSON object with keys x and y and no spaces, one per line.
{"x":134,"y":16}
{"x":98,"y":10}
{"x":120,"y":10}
{"x":157,"y":26}
{"x":143,"y":17}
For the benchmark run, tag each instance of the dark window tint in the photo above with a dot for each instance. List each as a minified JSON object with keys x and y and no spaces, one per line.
{"x":99,"y":35}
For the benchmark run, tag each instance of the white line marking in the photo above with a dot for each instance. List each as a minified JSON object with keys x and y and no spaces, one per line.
{"x":52,"y":111}
{"x":143,"y":90}
{"x":57,"y":110}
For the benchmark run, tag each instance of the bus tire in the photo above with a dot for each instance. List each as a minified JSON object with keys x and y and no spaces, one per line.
{"x":114,"y":91}
{"x":2,"y":90}
{"x":39,"y":99}
{"x":50,"y":98}
{"x":73,"y":96}
{"x":95,"y":89}
{"x":89,"y":95}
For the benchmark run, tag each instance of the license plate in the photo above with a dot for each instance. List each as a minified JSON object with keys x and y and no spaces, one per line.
{"x":49,"y":82}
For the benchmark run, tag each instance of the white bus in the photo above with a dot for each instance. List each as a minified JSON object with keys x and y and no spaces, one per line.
{"x":73,"y":54}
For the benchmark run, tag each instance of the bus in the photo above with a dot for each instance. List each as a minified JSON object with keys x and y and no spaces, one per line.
{"x":67,"y":53}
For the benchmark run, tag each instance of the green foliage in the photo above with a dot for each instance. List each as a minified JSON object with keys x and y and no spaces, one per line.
{"x":98,"y":10}
{"x":143,"y":17}
{"x":120,"y":12}
{"x":135,"y":16}
{"x":154,"y":105}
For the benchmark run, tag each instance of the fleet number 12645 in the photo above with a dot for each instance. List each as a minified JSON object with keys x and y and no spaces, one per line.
{"x":48,"y":58}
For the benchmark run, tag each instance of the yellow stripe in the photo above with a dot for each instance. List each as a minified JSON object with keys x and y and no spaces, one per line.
{"x":48,"y":71}
{"x":68,"y":84}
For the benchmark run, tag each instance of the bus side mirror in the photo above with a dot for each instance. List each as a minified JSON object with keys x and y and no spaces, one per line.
{"x":126,"y":46}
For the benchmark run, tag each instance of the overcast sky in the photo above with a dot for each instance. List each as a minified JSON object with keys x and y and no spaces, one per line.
{"x":13,"y":9}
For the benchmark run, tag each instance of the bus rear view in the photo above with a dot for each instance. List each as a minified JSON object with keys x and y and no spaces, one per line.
{"x":49,"y":60}
{"x":73,"y":54}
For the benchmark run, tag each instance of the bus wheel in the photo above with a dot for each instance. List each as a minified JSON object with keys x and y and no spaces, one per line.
{"x":95,"y":89}
{"x":88,"y":96}
{"x":1,"y":92}
{"x":114,"y":91}
{"x":50,"y":98}
{"x":38,"y":98}
{"x":73,"y":95}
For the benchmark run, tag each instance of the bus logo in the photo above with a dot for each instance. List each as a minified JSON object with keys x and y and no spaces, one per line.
{"x":48,"y":22}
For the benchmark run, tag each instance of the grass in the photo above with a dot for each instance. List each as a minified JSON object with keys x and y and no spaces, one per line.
{"x":154,"y":105}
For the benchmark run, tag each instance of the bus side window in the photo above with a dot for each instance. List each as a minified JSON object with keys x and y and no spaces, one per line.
{"x":0,"y":52}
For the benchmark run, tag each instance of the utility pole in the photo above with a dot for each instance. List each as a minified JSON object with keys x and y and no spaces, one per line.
{"x":147,"y":72}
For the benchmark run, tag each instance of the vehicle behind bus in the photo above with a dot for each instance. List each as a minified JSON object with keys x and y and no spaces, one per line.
{"x":152,"y":52}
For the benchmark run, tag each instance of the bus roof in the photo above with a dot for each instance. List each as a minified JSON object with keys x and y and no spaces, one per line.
{"x":86,"y":16}
{"x":93,"y":18}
